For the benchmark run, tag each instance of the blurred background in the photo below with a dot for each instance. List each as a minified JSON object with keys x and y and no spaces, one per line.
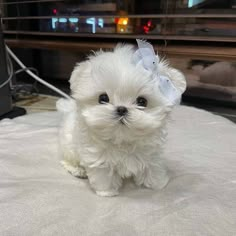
{"x":197,"y":37}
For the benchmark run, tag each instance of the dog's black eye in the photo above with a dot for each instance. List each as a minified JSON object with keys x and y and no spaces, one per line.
{"x":103,"y":98}
{"x":141,"y":101}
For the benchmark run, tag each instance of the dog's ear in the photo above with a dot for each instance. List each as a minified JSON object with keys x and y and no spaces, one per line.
{"x":81,"y":70}
{"x":80,"y":79}
{"x":177,"y":78}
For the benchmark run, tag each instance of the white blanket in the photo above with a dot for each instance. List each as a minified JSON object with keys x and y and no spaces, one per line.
{"x":38,"y":197}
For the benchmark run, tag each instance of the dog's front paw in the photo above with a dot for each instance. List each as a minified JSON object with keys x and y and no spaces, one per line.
{"x":77,"y":171}
{"x":110,"y":193}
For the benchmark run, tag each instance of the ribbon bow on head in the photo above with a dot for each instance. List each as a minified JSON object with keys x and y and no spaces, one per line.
{"x":145,"y":56}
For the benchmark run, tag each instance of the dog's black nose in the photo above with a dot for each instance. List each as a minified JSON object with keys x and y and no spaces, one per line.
{"x":121,"y":111}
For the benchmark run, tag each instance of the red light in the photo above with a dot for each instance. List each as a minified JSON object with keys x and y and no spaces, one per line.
{"x":149,"y":23}
{"x":54,"y":11}
{"x":116,"y":20}
{"x":145,"y":29}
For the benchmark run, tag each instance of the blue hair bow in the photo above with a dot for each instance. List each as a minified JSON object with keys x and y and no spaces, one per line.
{"x":145,"y":56}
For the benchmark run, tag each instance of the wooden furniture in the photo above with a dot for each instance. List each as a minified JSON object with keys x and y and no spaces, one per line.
{"x":198,"y":52}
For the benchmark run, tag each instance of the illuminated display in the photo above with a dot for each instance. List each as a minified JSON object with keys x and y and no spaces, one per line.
{"x":93,"y":22}
{"x":73,"y":21}
{"x":192,"y":3}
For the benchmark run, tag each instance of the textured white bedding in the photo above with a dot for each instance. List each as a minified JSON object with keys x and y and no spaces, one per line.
{"x":38,"y":197}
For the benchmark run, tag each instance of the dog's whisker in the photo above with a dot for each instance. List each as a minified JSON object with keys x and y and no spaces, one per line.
{"x":126,"y":123}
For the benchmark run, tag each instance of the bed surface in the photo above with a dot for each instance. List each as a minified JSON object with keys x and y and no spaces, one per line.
{"x":38,"y":197}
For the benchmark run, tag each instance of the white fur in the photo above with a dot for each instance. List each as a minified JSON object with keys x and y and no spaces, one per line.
{"x":92,"y":138}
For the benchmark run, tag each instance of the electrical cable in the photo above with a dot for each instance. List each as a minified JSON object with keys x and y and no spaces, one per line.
{"x":35,"y":81}
{"x":10,"y":72}
{"x":7,"y":81}
{"x":34,"y":75}
{"x":10,"y":69}
{"x":27,"y":68}
{"x":19,"y":88}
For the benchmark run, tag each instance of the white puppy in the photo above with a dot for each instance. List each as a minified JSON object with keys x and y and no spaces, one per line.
{"x":115,"y":126}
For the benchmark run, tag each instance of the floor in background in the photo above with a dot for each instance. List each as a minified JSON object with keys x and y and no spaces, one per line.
{"x":39,"y":103}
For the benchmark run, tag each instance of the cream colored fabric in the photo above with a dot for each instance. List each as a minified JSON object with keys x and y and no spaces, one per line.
{"x":37,"y":196}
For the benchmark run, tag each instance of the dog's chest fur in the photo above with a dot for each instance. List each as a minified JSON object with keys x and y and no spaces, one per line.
{"x":126,"y":159}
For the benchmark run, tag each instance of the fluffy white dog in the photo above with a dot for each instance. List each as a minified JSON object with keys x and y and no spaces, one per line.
{"x":115,"y":126}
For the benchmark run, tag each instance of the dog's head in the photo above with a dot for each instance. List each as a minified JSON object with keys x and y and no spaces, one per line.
{"x":118,"y":98}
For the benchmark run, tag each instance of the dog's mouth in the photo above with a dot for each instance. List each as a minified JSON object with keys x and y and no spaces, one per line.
{"x":122,"y":120}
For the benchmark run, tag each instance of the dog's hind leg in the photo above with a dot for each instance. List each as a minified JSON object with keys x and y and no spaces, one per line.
{"x":67,"y":138}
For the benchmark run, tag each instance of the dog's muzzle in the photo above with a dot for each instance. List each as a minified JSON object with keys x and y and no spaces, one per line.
{"x":121,"y":111}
